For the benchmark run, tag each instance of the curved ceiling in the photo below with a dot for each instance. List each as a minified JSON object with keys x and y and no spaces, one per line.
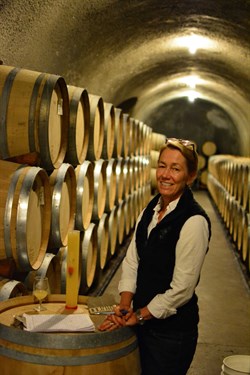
{"x":158,"y":60}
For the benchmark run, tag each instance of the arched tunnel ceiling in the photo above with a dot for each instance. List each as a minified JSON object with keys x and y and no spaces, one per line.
{"x":143,"y":56}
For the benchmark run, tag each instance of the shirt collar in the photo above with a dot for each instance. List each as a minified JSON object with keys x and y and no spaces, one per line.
{"x":172,"y":205}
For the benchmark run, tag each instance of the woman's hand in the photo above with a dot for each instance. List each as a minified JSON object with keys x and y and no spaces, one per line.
{"x":122,"y":315}
{"x":122,"y":310}
{"x":111,"y":323}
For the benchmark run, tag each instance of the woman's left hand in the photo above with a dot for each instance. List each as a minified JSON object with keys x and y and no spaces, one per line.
{"x":111,"y":323}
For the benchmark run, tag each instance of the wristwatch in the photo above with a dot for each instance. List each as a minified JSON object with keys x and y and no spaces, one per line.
{"x":139,"y":316}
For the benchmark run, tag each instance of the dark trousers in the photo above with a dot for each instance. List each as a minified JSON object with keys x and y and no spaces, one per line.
{"x":166,"y":353}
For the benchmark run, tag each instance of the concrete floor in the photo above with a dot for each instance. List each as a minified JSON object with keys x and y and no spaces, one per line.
{"x":223,"y":299}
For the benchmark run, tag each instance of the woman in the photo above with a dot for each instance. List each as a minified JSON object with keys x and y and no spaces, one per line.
{"x":162,"y":267}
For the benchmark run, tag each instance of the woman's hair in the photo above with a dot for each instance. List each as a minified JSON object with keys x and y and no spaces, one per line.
{"x":188,"y":150}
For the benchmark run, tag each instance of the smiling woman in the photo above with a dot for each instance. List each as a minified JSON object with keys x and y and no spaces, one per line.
{"x":162,"y":267}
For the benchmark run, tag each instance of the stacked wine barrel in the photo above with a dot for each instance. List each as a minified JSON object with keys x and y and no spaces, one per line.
{"x":69,"y":160}
{"x":208,"y":149}
{"x":229,"y":186}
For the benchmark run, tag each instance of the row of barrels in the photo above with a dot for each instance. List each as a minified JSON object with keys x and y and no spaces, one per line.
{"x":69,"y":160}
{"x":98,"y":244}
{"x":229,"y":186}
{"x":46,"y":122}
{"x":38,"y":210}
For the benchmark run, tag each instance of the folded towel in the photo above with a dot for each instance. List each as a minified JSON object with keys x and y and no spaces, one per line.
{"x":58,"y":323}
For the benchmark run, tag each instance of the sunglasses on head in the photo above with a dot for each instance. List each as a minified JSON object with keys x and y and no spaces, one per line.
{"x":183,"y":142}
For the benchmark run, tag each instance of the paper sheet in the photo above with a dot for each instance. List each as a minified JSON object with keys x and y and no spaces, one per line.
{"x":58,"y":323}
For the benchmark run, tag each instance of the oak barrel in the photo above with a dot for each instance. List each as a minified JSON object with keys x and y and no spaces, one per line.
{"x":121,"y":222}
{"x":84,"y":194}
{"x":113,"y":229}
{"x":96,"y":127}
{"x":100,"y":188}
{"x":11,"y":288}
{"x":79,"y":120}
{"x":34,"y":116}
{"x":63,"y":353}
{"x":118,"y":133}
{"x":25,"y":214}
{"x":209,"y":148}
{"x":109,"y":131}
{"x":50,"y":268}
{"x":110,"y":184}
{"x":126,"y":135}
{"x":63,"y":184}
{"x":102,"y":241}
{"x":88,"y":246}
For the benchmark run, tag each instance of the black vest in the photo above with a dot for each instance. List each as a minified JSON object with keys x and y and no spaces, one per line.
{"x":157,"y":259}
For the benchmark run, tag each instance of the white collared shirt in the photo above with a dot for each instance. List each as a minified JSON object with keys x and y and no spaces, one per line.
{"x":190,"y":253}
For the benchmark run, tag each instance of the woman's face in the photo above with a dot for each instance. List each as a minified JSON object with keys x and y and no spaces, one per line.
{"x":172,"y":174}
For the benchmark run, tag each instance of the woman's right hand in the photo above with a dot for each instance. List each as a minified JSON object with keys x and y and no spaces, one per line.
{"x":123,"y":311}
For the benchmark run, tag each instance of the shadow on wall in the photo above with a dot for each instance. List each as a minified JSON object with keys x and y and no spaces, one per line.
{"x":201,"y":121}
{"x":128,"y":104}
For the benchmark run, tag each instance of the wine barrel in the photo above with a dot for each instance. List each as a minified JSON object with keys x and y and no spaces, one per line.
{"x":127,"y":215}
{"x":79,"y":119}
{"x":62,"y":260}
{"x":35,"y":116}
{"x":209,"y":148}
{"x":201,"y":162}
{"x":154,"y":157}
{"x":113,"y":229}
{"x":121,"y":222}
{"x":245,"y":200}
{"x":11,"y":289}
{"x":140,"y":171}
{"x":25,"y":214}
{"x":148,"y":135}
{"x":88,"y":245}
{"x":126,"y":135}
{"x":245,"y":237}
{"x":119,"y":180}
{"x":117,"y":152}
{"x":157,"y":141}
{"x":130,"y":175}
{"x":109,"y":131}
{"x":84,"y":194}
{"x":130,"y":201}
{"x":141,"y":138}
{"x":203,"y":177}
{"x":136,"y":150}
{"x":153,"y":178}
{"x":136,"y":172}
{"x":96,"y":127}
{"x":147,"y":194}
{"x":63,"y":183}
{"x":110,"y":184}
{"x":136,"y":201}
{"x":102,"y":241}
{"x":146,"y":168}
{"x":100,"y":188}
{"x":132,"y":136}
{"x":85,"y":353}
{"x":126,"y":177}
{"x":50,"y":268}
